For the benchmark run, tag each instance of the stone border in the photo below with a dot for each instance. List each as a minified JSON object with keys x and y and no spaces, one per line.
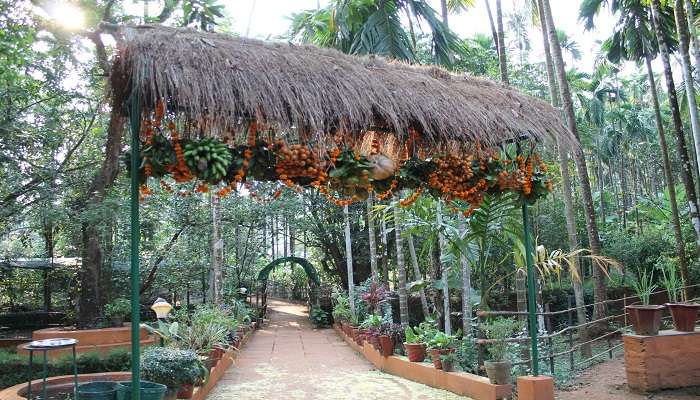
{"x":90,"y":340}
{"x":461,"y":383}
{"x":200,"y":393}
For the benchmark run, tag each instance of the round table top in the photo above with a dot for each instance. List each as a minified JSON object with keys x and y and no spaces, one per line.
{"x":50,"y":344}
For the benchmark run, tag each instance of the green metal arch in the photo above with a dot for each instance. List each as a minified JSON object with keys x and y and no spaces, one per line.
{"x":308,"y":268}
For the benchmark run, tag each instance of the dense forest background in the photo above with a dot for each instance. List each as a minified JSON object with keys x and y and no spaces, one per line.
{"x":630,"y":193}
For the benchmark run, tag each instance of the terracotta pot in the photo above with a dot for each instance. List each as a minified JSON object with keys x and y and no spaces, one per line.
{"x":354,"y":333}
{"x":498,"y":372}
{"x":185,"y":392}
{"x":435,"y":355}
{"x":374,"y":341}
{"x":415,"y":351}
{"x":684,"y":315}
{"x":646,"y":320}
{"x":361,"y":336}
{"x":386,"y":344}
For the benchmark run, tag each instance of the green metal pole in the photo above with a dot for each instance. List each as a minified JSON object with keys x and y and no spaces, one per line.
{"x":531,"y":305}
{"x":135,"y":125}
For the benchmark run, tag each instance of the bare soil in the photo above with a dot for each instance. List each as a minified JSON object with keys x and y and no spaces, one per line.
{"x":607,"y":381}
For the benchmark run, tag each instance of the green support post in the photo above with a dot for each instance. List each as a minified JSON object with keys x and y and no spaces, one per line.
{"x":531,"y":305}
{"x":135,"y":127}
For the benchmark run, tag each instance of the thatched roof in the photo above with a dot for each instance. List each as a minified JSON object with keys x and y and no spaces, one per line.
{"x":224,"y":79}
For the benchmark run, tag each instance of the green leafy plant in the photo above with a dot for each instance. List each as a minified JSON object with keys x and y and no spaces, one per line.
{"x":669,"y":278}
{"x":644,"y":286}
{"x":119,"y":308}
{"x":412,"y":337}
{"x":319,"y":318}
{"x":172,"y":367}
{"x":467,"y":355}
{"x":372,"y":321}
{"x":441,"y":341}
{"x":498,"y":331}
{"x":341,"y":309}
{"x":201,"y":337}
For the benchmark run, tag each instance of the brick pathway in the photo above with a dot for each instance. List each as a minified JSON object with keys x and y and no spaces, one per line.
{"x":288,"y":360}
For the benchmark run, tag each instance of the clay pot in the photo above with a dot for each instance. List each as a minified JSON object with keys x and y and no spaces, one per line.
{"x":435,"y":355}
{"x":646,"y":320}
{"x":185,"y":392}
{"x":354,"y":333}
{"x":361,"y":336}
{"x":386,"y":343}
{"x":498,"y":372}
{"x":415,"y":351}
{"x":684,"y":315}
{"x":374,"y":341}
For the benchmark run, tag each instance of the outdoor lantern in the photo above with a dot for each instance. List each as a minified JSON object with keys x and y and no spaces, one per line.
{"x":161,"y":307}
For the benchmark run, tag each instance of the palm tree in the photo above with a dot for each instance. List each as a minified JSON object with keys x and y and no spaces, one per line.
{"x":599,"y":292}
{"x":348,"y":256}
{"x":374,"y":27}
{"x":635,"y":40}
{"x":684,"y":49}
{"x":566,"y":189}
{"x":686,"y":166}
{"x":569,"y":45}
{"x":372,"y":241}
{"x":401,"y":268}
{"x":445,"y":272}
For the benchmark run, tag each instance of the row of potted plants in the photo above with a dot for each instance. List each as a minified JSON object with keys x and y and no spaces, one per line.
{"x":192,"y":345}
{"x":646,"y":317}
{"x":415,"y":342}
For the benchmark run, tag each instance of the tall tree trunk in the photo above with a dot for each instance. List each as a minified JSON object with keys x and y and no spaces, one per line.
{"x":91,"y":253}
{"x":417,"y":274}
{"x":217,"y":252}
{"x":445,"y":273}
{"x":599,"y":293}
{"x":385,"y":253}
{"x":502,"y":62}
{"x":694,"y":47}
{"x":348,"y":257}
{"x":372,"y":241}
{"x":686,"y":167}
{"x":401,"y":268}
{"x":684,"y":50}
{"x":466,"y":290}
{"x":445,"y":13}
{"x":494,"y":33}
{"x":668,"y":173}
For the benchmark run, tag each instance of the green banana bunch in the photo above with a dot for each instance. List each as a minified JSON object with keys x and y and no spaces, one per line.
{"x":209,"y":159}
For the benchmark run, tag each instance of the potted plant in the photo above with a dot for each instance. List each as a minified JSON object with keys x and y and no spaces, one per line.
{"x":117,"y":310}
{"x":414,"y":345}
{"x":206,"y":339}
{"x":645,"y":318}
{"x":172,"y":367}
{"x":371,"y":327}
{"x":498,"y":331}
{"x":439,"y":345}
{"x":684,"y":314}
{"x":389,"y":334}
{"x":448,"y":361}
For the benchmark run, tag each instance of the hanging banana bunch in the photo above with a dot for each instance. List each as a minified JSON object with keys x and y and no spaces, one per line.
{"x":209,"y":159}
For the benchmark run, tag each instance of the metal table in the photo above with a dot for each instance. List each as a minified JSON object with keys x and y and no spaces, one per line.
{"x":45,"y":346}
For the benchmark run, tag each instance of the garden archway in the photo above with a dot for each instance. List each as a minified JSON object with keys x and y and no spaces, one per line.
{"x":309,"y":269}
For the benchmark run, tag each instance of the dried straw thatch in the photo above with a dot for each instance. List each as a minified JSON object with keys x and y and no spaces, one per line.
{"x":222,"y":80}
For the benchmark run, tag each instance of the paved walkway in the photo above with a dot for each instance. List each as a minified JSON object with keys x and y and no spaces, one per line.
{"x":288,"y":360}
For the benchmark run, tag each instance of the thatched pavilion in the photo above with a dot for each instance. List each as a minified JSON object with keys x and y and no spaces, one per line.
{"x":216,"y":81}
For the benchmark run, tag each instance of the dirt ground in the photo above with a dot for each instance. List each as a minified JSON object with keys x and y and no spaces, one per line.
{"x":607,"y":381}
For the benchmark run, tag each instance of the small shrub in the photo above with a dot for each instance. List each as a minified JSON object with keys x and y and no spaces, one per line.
{"x":172,"y":367}
{"x":499,"y":330}
{"x":119,"y":308}
{"x":117,"y":360}
{"x":319,"y":318}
